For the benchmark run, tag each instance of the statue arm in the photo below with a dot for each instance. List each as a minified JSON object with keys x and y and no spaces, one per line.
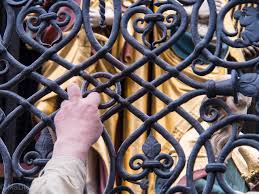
{"x":95,"y":17}
{"x":251,"y":157}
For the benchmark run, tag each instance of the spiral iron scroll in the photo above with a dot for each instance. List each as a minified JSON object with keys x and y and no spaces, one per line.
{"x":172,"y":26}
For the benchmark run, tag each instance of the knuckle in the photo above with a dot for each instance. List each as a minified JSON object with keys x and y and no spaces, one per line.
{"x":91,"y":107}
{"x":57,"y":118}
{"x":64,"y":103}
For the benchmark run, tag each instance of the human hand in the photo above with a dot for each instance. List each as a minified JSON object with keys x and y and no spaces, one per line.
{"x":95,"y":17}
{"x":78,"y":124}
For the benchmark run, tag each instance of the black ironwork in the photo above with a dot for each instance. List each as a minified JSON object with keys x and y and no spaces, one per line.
{"x":172,"y":27}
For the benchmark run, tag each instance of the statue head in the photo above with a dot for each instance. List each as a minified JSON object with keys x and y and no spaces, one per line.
{"x":204,"y":15}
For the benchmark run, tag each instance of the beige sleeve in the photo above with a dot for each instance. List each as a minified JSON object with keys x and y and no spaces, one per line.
{"x":64,"y":175}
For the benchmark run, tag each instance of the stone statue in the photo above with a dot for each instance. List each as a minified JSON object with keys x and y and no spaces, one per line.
{"x":242,"y":164}
{"x":173,"y":122}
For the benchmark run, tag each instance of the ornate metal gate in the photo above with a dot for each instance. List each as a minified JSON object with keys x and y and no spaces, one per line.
{"x":169,"y":18}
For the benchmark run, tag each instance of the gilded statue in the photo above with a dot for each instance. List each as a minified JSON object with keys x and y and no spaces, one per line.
{"x":179,"y":127}
{"x":79,"y":49}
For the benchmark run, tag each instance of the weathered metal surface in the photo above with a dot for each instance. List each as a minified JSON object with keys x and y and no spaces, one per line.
{"x":153,"y":161}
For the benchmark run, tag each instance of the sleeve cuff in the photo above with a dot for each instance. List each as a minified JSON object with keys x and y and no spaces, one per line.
{"x":66,"y":166}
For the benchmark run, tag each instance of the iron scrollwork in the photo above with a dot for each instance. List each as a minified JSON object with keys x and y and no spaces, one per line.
{"x":170,"y":18}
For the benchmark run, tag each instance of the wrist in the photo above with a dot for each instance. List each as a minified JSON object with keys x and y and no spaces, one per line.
{"x":71,"y":149}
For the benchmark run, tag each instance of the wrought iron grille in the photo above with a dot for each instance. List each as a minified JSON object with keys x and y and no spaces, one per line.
{"x":31,"y":19}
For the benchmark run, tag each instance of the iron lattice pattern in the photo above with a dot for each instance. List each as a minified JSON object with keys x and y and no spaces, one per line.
{"x":170,"y":21}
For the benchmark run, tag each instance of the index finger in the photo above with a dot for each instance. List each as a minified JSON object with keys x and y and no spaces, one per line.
{"x":73,"y":92}
{"x":93,"y":98}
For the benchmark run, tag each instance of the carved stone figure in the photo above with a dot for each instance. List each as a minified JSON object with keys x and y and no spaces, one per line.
{"x":242,"y":163}
{"x":174,"y":88}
